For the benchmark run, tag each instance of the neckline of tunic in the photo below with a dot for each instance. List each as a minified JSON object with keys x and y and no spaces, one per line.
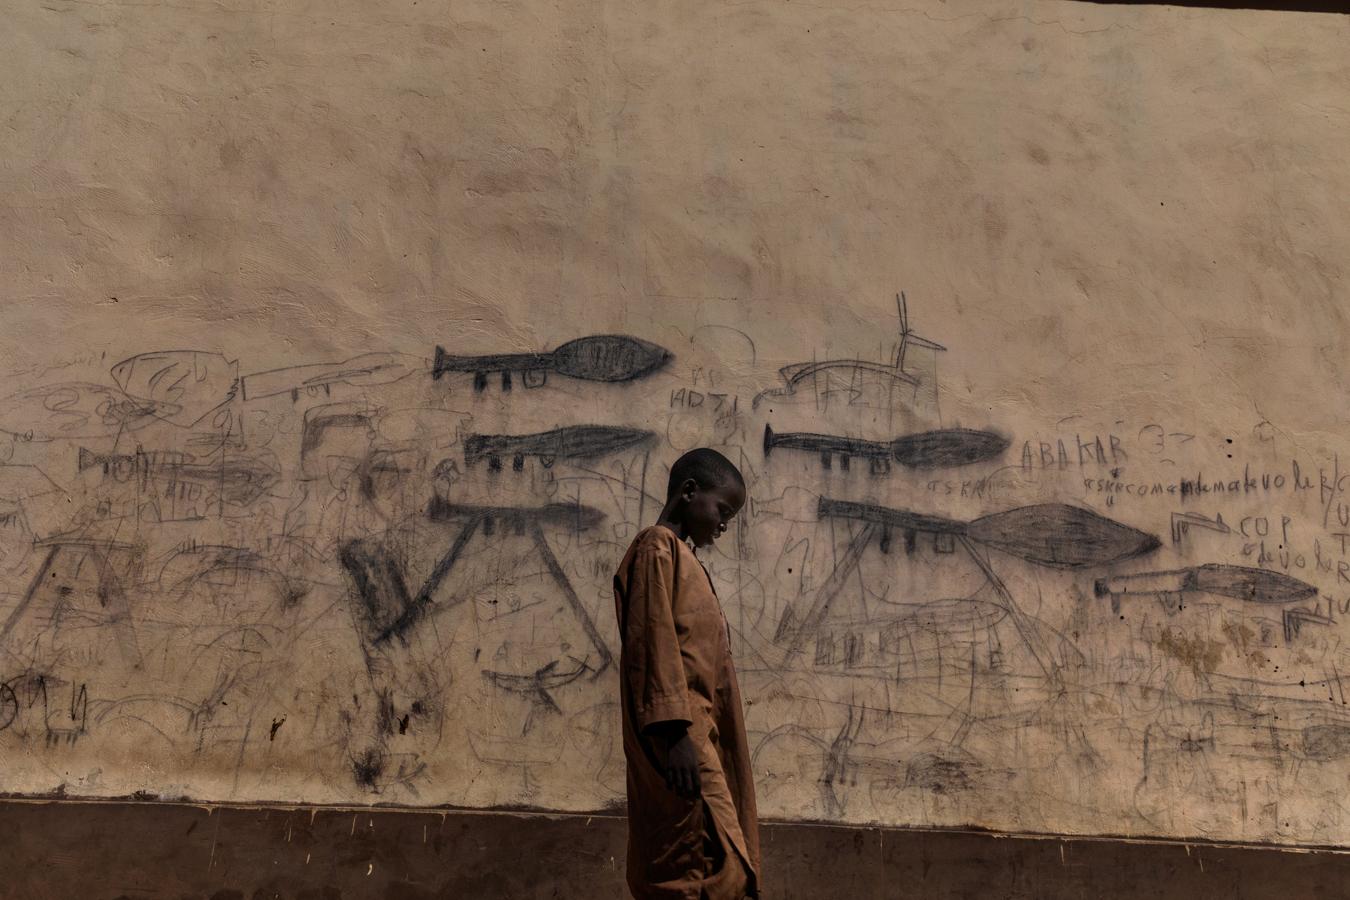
{"x":707,"y":576}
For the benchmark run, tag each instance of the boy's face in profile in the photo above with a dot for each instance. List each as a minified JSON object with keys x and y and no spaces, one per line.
{"x":709,"y":510}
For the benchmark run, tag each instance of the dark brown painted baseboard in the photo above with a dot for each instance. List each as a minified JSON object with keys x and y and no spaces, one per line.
{"x":114,"y":850}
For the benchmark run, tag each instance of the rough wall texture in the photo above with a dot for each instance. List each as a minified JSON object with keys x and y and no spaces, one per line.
{"x":346,"y":345}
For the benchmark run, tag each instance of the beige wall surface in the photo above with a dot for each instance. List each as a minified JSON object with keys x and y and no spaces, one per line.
{"x":346,"y":345}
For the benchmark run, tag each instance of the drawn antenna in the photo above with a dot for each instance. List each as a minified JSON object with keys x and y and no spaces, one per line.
{"x":907,"y":334}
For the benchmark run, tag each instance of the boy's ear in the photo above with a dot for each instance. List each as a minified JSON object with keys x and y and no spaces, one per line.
{"x":689,"y":488}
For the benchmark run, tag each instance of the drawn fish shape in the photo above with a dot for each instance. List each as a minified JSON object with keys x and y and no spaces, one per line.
{"x":73,"y":409}
{"x":571,"y":442}
{"x":185,"y":386}
{"x":948,"y":447}
{"x":1051,"y":534}
{"x":598,"y":357}
{"x":1238,"y":582}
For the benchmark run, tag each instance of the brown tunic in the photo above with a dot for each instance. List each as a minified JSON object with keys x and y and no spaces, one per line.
{"x":676,"y":666}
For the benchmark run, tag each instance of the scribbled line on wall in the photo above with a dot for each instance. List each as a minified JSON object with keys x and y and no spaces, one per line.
{"x":177,"y":387}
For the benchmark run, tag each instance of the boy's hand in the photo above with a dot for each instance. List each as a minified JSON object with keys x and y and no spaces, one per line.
{"x":681,"y":758}
{"x":682,"y":768}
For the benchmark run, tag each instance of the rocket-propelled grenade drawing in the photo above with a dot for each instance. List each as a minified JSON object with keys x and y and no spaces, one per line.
{"x":922,"y":450}
{"x":576,"y":516}
{"x":571,"y":442}
{"x":1051,"y":534}
{"x":1237,"y":582}
{"x":597,"y":357}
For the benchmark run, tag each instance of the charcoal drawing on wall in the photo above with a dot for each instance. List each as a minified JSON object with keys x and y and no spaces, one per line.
{"x":344,"y":354}
{"x":402,"y":579}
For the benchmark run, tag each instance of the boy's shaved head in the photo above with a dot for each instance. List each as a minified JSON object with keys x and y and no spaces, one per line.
{"x":708,"y":468}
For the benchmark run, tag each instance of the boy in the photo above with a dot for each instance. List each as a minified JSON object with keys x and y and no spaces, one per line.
{"x":693,"y":833}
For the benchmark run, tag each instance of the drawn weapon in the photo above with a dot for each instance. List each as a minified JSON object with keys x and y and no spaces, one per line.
{"x":572,"y":442}
{"x":598,"y":357}
{"x":1050,"y":534}
{"x":921,"y":450}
